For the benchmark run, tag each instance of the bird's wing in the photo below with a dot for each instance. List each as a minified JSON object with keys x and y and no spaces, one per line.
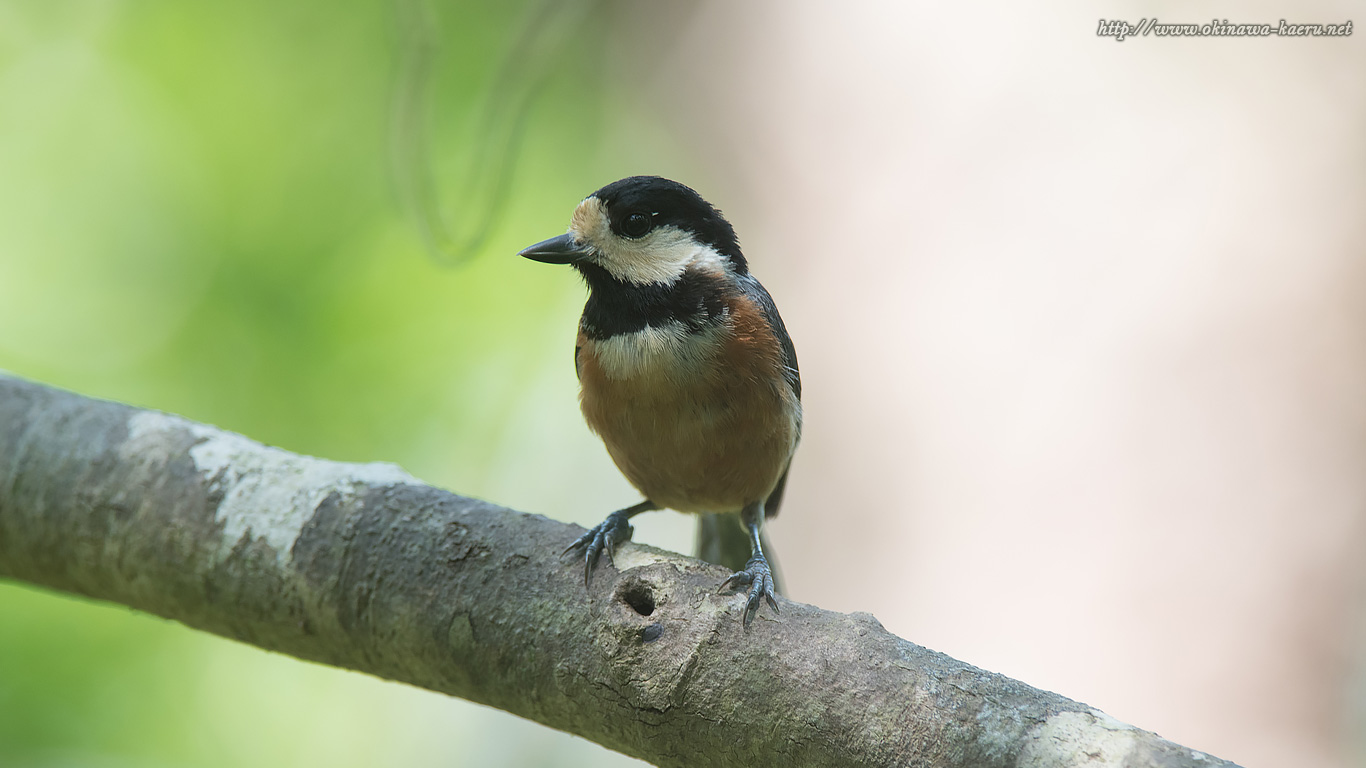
{"x":754,"y":290}
{"x":791,"y":373}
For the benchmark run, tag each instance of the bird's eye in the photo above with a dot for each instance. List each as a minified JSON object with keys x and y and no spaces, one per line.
{"x":637,"y":225}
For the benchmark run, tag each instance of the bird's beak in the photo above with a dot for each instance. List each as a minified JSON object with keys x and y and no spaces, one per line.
{"x":557,"y":250}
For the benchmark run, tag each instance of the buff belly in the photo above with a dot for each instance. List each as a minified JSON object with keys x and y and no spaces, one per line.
{"x":697,"y":423}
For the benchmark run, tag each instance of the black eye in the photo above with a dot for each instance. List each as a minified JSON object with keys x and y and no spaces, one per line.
{"x":637,"y":225}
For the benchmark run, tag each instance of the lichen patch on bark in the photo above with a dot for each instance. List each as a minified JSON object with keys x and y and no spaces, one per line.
{"x":265,"y":493}
{"x":1092,"y":739}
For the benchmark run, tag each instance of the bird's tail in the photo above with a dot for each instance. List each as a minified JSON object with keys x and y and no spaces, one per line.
{"x":721,"y":539}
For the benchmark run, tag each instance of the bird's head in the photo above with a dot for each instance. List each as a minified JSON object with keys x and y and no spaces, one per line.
{"x":644,"y":230}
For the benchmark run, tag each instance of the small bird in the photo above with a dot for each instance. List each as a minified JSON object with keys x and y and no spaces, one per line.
{"x":685,"y":371}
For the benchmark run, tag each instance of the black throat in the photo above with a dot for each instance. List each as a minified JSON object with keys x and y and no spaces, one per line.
{"x":696,"y":299}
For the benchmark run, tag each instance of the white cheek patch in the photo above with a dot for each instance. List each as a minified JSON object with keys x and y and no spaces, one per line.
{"x":660,"y":257}
{"x":589,"y":223}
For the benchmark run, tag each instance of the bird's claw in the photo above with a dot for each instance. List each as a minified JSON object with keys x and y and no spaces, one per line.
{"x":759,"y":578}
{"x":603,"y":537}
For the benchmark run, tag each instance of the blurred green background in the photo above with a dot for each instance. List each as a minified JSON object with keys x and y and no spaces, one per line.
{"x":199,"y":213}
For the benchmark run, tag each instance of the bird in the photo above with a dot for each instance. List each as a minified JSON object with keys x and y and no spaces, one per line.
{"x":685,"y":371}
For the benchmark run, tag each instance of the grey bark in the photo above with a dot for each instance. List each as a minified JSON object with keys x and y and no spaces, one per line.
{"x":364,"y":567}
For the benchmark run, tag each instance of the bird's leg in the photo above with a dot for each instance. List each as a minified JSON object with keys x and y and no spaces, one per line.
{"x":757,"y":575}
{"x":605,"y":536}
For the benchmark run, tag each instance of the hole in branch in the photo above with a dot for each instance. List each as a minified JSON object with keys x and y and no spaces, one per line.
{"x":638,"y":595}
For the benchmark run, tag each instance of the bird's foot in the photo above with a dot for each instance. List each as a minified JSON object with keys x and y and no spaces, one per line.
{"x":603,"y":537}
{"x":759,"y":578}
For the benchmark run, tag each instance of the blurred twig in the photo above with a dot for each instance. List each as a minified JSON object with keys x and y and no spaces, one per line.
{"x":453,"y":229}
{"x":364,"y":567}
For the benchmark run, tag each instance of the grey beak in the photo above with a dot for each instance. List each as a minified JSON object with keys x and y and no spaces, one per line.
{"x":557,"y":250}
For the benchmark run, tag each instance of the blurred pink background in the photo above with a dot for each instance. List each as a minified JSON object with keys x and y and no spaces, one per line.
{"x":1082,"y":327}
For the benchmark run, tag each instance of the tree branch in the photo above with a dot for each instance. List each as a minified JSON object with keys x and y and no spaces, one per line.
{"x":364,"y":567}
